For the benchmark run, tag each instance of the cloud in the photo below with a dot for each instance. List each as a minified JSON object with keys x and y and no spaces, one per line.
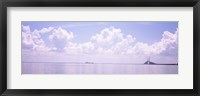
{"x":60,"y":38}
{"x":61,"y":34}
{"x":107,"y":37}
{"x":46,"y":30}
{"x":108,"y":42}
{"x":36,"y":37}
{"x":111,"y":37}
{"x":26,"y":29}
{"x":27,"y":42}
{"x":34,"y":40}
{"x":123,"y":45}
{"x":168,"y":41}
{"x":72,"y":48}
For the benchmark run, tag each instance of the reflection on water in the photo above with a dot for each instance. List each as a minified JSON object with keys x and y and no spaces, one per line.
{"x":78,"y":68}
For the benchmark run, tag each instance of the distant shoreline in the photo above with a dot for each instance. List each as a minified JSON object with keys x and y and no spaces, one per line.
{"x":103,"y":63}
{"x":160,"y":64}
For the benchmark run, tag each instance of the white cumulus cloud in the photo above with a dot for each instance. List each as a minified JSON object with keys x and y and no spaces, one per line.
{"x":61,"y":34}
{"x":34,"y":40}
{"x":109,"y":41}
{"x":27,"y":41}
{"x":26,"y":29}
{"x":168,"y":41}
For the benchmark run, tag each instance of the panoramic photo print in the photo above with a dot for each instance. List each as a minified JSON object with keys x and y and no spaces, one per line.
{"x":109,"y":47}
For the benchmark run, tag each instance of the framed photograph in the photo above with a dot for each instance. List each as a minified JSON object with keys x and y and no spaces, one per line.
{"x":87,"y":47}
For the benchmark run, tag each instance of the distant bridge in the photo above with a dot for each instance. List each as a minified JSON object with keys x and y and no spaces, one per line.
{"x":149,"y":62}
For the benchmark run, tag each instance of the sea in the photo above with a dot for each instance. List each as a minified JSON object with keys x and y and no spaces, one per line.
{"x":96,"y":68}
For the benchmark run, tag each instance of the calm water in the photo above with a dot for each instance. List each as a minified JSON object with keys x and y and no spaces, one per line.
{"x":78,"y":68}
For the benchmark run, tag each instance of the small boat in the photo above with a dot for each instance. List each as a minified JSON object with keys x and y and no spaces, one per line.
{"x":89,"y":62}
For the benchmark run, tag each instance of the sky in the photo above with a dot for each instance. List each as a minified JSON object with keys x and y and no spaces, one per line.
{"x":100,"y":42}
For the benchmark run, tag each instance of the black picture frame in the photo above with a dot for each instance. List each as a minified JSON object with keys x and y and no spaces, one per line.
{"x":100,"y":3}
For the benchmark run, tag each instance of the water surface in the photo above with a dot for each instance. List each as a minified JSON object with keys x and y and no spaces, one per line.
{"x":82,"y":68}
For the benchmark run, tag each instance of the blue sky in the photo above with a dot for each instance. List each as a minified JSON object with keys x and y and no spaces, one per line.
{"x":158,"y":40}
{"x":85,"y":30}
